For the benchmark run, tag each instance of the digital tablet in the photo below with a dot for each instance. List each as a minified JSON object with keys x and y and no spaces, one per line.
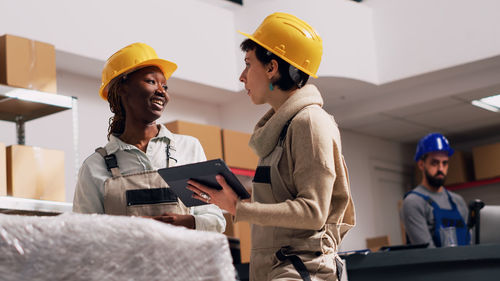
{"x":203,"y":172}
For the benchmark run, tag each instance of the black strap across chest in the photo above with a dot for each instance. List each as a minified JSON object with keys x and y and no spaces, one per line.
{"x":109,"y":159}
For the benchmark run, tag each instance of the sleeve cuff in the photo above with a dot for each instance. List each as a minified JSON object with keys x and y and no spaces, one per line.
{"x":240,"y":211}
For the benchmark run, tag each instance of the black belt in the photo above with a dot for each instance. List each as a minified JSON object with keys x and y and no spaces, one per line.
{"x":296,"y":261}
{"x":298,"y":264}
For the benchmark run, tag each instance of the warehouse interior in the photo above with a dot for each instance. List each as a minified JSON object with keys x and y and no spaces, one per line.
{"x":391,"y":72}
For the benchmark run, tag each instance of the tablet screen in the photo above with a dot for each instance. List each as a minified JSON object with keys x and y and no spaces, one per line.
{"x":203,"y":172}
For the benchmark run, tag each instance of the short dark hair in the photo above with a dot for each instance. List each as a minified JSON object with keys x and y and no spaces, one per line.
{"x":286,"y":81}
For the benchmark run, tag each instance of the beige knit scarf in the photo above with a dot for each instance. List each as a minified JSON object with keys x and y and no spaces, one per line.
{"x":267,"y":131}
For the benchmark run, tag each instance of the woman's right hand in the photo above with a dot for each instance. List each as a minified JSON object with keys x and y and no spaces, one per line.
{"x":225,"y":199}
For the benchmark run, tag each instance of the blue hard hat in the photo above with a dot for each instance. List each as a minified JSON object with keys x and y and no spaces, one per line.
{"x":432,"y":143}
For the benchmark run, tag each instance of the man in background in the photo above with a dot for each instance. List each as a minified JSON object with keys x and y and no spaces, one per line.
{"x":432,"y":214}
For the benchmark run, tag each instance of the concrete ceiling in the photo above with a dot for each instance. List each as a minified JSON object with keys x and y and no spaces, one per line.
{"x":407,"y":109}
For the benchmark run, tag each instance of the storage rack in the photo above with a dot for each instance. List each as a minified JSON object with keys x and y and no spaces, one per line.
{"x":21,"y":105}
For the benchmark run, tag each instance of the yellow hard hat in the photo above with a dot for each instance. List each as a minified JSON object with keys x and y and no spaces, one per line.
{"x":130,"y":58}
{"x":291,"y":39}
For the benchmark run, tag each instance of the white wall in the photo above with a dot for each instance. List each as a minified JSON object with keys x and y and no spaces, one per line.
{"x":375,"y":196}
{"x":344,"y":26}
{"x":196,"y":35}
{"x":416,"y":37}
{"x":380,"y":41}
{"x":376,"y":41}
{"x":241,"y":115}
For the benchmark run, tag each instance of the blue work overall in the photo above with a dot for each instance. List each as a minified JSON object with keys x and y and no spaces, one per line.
{"x":447,"y":218}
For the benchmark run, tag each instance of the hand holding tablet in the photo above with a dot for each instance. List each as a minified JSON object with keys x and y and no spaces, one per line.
{"x":204,"y":182}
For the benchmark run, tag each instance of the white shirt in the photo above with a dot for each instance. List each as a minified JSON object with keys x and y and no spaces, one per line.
{"x":89,"y":191}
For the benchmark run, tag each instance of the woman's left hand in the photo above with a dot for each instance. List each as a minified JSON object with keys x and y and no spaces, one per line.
{"x":226,"y":198}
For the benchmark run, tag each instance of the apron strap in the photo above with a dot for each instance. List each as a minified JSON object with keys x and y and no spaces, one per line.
{"x":284,"y":130}
{"x":296,"y":261}
{"x":110,"y":160}
{"x":170,"y":150}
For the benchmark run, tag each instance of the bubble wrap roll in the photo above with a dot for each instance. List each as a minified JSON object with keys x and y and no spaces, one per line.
{"x":102,"y":247}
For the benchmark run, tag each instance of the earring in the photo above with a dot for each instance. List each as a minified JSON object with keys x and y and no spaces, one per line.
{"x":271,"y":87}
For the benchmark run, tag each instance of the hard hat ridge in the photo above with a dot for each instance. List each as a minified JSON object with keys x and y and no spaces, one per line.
{"x":433,"y":142}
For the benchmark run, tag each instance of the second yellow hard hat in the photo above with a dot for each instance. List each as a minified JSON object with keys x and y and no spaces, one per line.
{"x":291,"y":39}
{"x":130,"y":58}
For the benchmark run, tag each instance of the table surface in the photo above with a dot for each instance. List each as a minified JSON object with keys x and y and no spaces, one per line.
{"x":474,"y":262}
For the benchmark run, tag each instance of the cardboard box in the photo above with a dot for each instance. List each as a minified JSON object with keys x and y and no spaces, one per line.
{"x":209,"y":136}
{"x":237,"y":153}
{"x":375,"y":243}
{"x":35,"y":173}
{"x":486,"y":161}
{"x":27,"y":63}
{"x":3,"y":170}
{"x":460,"y":169}
{"x":240,"y":230}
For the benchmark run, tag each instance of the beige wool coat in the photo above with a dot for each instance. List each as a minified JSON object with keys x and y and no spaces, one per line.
{"x":312,"y":167}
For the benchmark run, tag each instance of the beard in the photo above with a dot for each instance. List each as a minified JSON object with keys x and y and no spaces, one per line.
{"x":434,"y":181}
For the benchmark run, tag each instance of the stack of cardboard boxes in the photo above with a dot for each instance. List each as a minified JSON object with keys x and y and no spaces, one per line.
{"x":460,"y":168}
{"x":209,"y":136}
{"x":26,"y":171}
{"x":487,"y":161}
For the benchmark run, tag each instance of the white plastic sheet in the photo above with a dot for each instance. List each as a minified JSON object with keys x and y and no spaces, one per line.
{"x":102,"y":247}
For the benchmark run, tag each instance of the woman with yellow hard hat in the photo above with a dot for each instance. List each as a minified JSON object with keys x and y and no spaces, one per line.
{"x":301,"y":205}
{"x":121,"y":178}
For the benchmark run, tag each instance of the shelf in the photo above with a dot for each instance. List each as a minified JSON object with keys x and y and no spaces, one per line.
{"x":473,"y":184}
{"x":23,"y":206}
{"x":20,"y":105}
{"x":30,"y":104}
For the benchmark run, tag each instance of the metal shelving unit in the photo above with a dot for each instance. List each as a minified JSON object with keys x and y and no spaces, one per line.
{"x":21,"y":105}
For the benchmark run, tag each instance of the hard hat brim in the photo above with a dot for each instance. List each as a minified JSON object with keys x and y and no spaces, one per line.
{"x":448,"y":151}
{"x":167,"y":67}
{"x":282,"y":57}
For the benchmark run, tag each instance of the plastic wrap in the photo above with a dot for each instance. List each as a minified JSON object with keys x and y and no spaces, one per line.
{"x":102,"y":247}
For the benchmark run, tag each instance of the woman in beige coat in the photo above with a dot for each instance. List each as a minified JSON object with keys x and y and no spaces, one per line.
{"x":301,"y":205}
